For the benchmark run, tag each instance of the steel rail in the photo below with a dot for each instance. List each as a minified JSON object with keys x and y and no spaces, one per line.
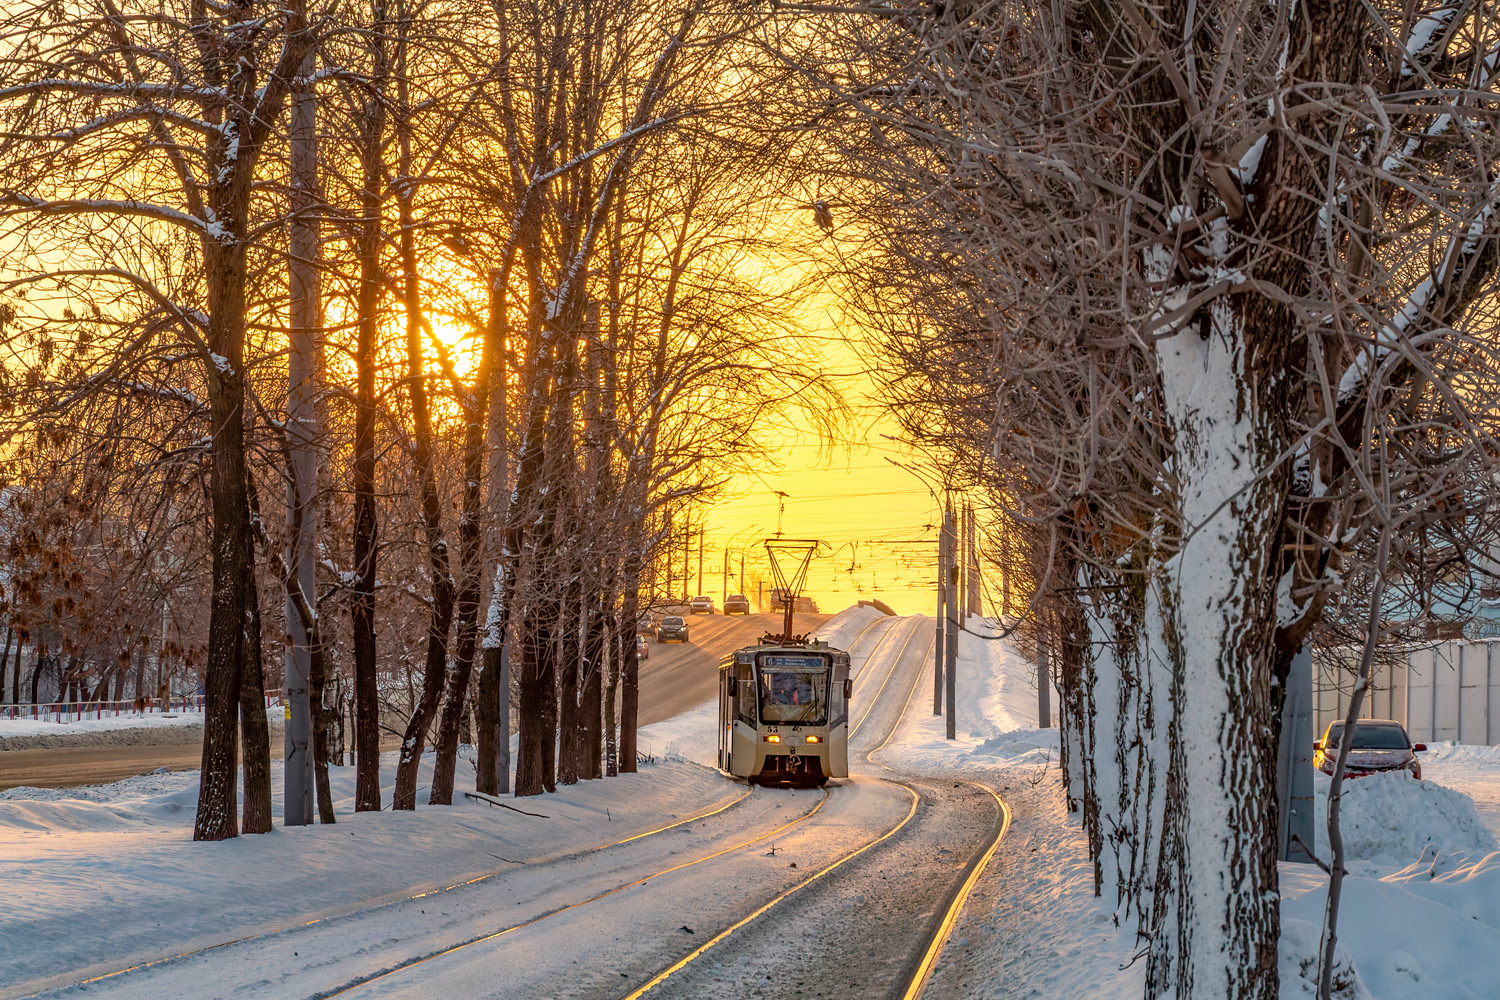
{"x":779,"y":898}
{"x":350,"y":987}
{"x":943,"y":928}
{"x":895,"y":662}
{"x":365,"y":910}
{"x":917,"y":983}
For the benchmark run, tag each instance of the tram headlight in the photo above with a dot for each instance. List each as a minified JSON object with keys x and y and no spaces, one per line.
{"x":773,"y":737}
{"x":814,"y":739}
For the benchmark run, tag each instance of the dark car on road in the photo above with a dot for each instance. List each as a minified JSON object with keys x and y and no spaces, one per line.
{"x":645,"y":627}
{"x":672,"y":629}
{"x":1379,"y":745}
{"x":736,"y":604}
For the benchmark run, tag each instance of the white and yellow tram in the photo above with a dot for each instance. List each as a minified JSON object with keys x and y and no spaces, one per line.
{"x":784,"y":714}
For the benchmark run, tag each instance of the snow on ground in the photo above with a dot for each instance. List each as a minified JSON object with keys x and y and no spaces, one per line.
{"x":1421,"y":912}
{"x":111,"y":730}
{"x":100,"y":876}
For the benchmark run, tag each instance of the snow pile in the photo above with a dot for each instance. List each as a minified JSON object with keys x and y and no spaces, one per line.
{"x":112,"y":730}
{"x":98,"y":878}
{"x":1470,"y":770}
{"x":1396,"y":817}
{"x":1420,"y":918}
{"x":1428,"y":931}
{"x":996,"y":706}
{"x":842,"y":629}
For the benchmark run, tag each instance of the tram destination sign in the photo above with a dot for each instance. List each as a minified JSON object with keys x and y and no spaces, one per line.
{"x":795,"y":662}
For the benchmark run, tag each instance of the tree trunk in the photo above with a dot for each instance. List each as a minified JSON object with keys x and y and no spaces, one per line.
{"x":591,"y":695}
{"x":15,"y":677}
{"x":614,"y":647}
{"x":366,"y":541}
{"x":317,"y":683}
{"x":5,"y":659}
{"x":255,"y":731}
{"x":630,"y":668}
{"x":569,"y":724}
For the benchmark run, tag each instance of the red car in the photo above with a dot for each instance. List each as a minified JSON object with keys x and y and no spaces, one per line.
{"x":1379,"y":745}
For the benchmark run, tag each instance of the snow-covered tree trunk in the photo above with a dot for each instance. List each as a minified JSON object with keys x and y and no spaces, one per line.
{"x":1216,"y":919}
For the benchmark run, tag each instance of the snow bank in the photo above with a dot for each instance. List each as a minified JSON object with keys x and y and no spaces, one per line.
{"x":843,"y":628}
{"x":1395,"y":817}
{"x":99,"y":877}
{"x":1421,"y":912}
{"x":996,"y":705}
{"x":121,"y":730}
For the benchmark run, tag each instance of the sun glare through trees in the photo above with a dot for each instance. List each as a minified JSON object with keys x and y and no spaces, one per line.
{"x":402,"y":403}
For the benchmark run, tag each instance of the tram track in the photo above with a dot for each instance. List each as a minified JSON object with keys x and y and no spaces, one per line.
{"x":911,"y":985}
{"x":419,"y":963}
{"x":434,"y":895}
{"x":354,"y":987}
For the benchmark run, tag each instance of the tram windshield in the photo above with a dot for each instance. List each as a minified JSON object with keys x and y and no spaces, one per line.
{"x":794,"y":690}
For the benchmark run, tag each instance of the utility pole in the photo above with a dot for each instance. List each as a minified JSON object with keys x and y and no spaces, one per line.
{"x":942,"y":626}
{"x":724,"y":600}
{"x":302,"y":433}
{"x":974,"y":602}
{"x":951,"y":648}
{"x":700,"y":560}
{"x":1043,"y":680}
{"x":742,"y":572}
{"x":687,"y":561}
{"x":1294,"y":772}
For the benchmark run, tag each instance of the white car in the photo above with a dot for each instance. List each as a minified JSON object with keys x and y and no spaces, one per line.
{"x":642,"y":651}
{"x":702,"y":605}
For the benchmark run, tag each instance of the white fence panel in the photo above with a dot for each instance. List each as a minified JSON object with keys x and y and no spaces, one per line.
{"x":1447,"y":691}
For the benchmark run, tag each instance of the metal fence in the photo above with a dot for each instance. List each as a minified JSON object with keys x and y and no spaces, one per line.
{"x":1447,"y":691}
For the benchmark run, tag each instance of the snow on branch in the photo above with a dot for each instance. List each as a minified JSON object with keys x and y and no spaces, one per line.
{"x":1462,"y":248}
{"x":13,"y":202}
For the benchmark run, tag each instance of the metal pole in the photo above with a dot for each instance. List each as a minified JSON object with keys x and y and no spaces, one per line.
{"x":724,"y":599}
{"x":742,"y":572}
{"x":700,"y":560}
{"x":941,"y":620}
{"x":1043,"y":683}
{"x":302,"y":433}
{"x":1294,"y":777}
{"x":951,"y":647}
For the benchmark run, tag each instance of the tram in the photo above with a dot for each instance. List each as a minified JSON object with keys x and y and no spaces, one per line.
{"x":784,"y":713}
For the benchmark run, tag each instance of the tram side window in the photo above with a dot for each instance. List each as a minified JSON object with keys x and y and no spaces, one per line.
{"x":744,"y":696}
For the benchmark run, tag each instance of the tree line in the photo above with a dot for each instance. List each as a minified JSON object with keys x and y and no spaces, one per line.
{"x":1199,"y":297}
{"x":400,"y":336}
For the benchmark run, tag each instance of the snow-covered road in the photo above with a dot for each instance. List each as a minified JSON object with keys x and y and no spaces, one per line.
{"x":830,"y":893}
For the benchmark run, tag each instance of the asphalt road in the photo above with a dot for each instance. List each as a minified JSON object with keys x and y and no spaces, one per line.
{"x":678,"y":676}
{"x":674,"y":677}
{"x":63,"y":767}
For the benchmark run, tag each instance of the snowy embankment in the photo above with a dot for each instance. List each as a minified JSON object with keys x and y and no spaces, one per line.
{"x":112,"y":730}
{"x":1421,"y":912}
{"x":106,"y":876}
